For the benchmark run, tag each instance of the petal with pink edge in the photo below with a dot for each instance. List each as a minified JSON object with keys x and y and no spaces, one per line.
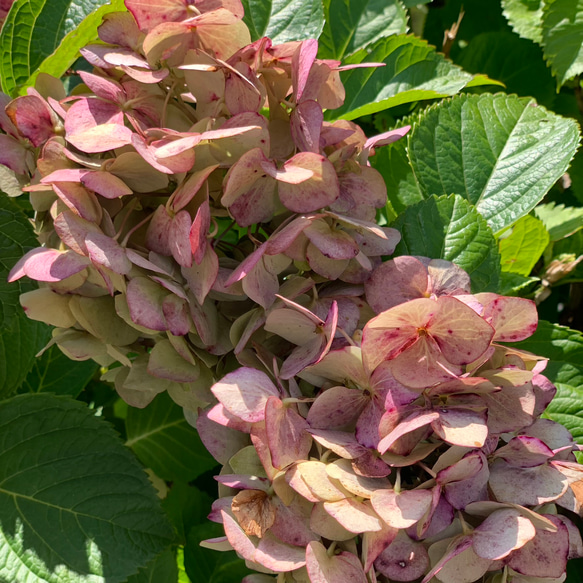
{"x":403,"y":560}
{"x":278,"y":556}
{"x":179,"y":239}
{"x":461,"y":426}
{"x":318,"y":191}
{"x":336,"y":407}
{"x":222,"y":442}
{"x":32,"y":116}
{"x":401,"y":509}
{"x":107,"y":252}
{"x":514,"y":319}
{"x":501,"y":533}
{"x":333,"y":243}
{"x":525,"y":451}
{"x":48,"y":265}
{"x":244,"y":393}
{"x":306,"y":123}
{"x":287,"y":437}
{"x":374,"y":543}
{"x":353,"y":515}
{"x":342,"y":568}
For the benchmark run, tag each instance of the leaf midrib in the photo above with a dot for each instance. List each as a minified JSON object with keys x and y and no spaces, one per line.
{"x":158,"y":429}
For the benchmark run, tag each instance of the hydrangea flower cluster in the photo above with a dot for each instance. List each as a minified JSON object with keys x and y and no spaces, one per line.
{"x":205,"y":232}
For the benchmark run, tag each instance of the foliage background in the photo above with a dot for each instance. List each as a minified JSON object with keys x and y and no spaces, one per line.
{"x":509,"y":209}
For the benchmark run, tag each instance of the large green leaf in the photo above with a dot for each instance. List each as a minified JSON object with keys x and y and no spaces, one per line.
{"x":564,"y":348}
{"x":163,"y":441}
{"x":501,"y":152}
{"x":20,"y":338}
{"x":284,"y":20}
{"x":351,"y":25}
{"x":516,"y":62}
{"x":525,"y":17}
{"x":75,"y":505}
{"x":56,"y":373}
{"x":559,"y":220}
{"x":413,"y":71}
{"x":520,"y":251}
{"x":162,"y":569}
{"x":34,"y":29}
{"x":563,"y":37}
{"x":450,"y":228}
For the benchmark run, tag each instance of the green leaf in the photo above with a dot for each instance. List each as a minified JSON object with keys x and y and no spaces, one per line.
{"x":186,"y":506}
{"x":413,"y":71}
{"x":284,"y":20}
{"x":57,"y":63}
{"x":512,"y":284}
{"x":559,"y":220}
{"x":564,"y":348}
{"x":54,"y":372}
{"x":450,"y":228}
{"x":525,"y":18}
{"x":520,"y":251}
{"x":20,"y":338}
{"x":162,"y":569}
{"x":392,"y":162}
{"x":351,"y":25}
{"x":163,"y":441}
{"x":501,"y":152}
{"x":516,"y":62}
{"x":75,"y":505}
{"x":34,"y":29}
{"x":563,"y":38}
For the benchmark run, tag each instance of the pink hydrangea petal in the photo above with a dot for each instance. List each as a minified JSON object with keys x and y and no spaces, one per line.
{"x":465,"y":481}
{"x":144,"y":299}
{"x":461,"y":334}
{"x":244,"y":393}
{"x":306,"y":123}
{"x":276,"y":555}
{"x":333,"y":243}
{"x":411,"y":423}
{"x":363,"y":188}
{"x":302,"y":62}
{"x":374,"y":543}
{"x":318,"y":191}
{"x":329,"y":268}
{"x":403,"y":560}
{"x":261,"y":285}
{"x":292,"y":522}
{"x":387,"y":137}
{"x":525,"y":451}
{"x":461,"y":426}
{"x":280,"y":241}
{"x":158,"y":233}
{"x":403,"y":509}
{"x":13,"y":154}
{"x":514,"y":319}
{"x":510,"y":409}
{"x":545,"y":555}
{"x":222,"y":442}
{"x":342,"y":443}
{"x":287,"y":437}
{"x":177,"y":315}
{"x":446,"y":278}
{"x":238,"y":539}
{"x":501,"y":533}
{"x":179,"y":239}
{"x":73,"y":230}
{"x":80,"y":200}
{"x":336,"y":407}
{"x":166,"y":363}
{"x":105,"y":88}
{"x":48,"y":265}
{"x":106,"y":184}
{"x":338,"y":365}
{"x":405,"y":277}
{"x":150,"y":13}
{"x":342,"y":568}
{"x":33,"y":117}
{"x":353,"y":515}
{"x":107,"y":252}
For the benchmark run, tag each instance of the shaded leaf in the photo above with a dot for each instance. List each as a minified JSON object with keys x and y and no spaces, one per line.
{"x":33,"y":31}
{"x":525,"y":17}
{"x":351,"y":26}
{"x":163,"y":569}
{"x":520,"y":251}
{"x":562,"y":34}
{"x":284,"y":20}
{"x":20,"y":338}
{"x":559,"y":220}
{"x":81,"y":478}
{"x":413,"y":71}
{"x":450,"y":228}
{"x":163,"y":441}
{"x":564,"y":348}
{"x":501,"y":152}
{"x":56,"y":373}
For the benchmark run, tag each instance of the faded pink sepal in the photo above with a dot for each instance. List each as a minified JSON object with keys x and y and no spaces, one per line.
{"x":244,"y":393}
{"x":201,"y":277}
{"x":302,"y":61}
{"x":108,"y":89}
{"x":198,"y":232}
{"x":320,"y":190}
{"x":33,"y":118}
{"x":306,"y":123}
{"x":408,"y":425}
{"x":107,"y":252}
{"x":80,"y":200}
{"x":244,"y":482}
{"x":336,"y":407}
{"x":177,"y":315}
{"x":465,"y":481}
{"x":403,"y":560}
{"x":178,"y":239}
{"x":513,"y":319}
{"x":48,"y":265}
{"x":245,"y":266}
{"x":401,"y":509}
{"x":525,"y":451}
{"x":221,"y":441}
{"x":332,"y":569}
{"x":144,"y":299}
{"x":278,"y":556}
{"x":287,"y":437}
{"x":374,"y":543}
{"x":355,"y":516}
